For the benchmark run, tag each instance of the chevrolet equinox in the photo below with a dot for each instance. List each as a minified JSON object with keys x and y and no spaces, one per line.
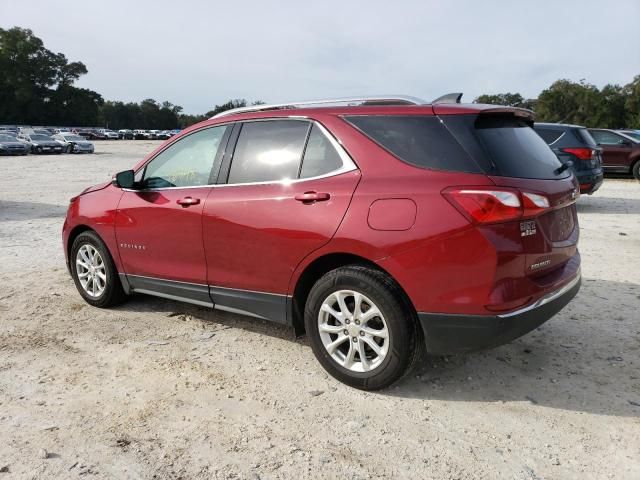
{"x":377,"y":225}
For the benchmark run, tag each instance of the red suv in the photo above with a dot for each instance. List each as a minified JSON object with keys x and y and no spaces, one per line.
{"x":377,"y":227}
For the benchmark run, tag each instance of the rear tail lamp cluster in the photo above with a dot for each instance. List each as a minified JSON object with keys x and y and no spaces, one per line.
{"x":483,"y":206}
{"x":581,"y":153}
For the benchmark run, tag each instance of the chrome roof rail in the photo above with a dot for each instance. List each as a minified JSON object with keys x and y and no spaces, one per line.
{"x":328,"y":102}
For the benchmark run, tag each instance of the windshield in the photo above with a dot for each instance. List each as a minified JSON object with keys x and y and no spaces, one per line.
{"x":39,"y":137}
{"x":632,"y":135}
{"x":73,"y":138}
{"x":7,"y":138}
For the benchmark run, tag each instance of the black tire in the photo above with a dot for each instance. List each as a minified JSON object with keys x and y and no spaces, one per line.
{"x":113,"y":293}
{"x":69,"y":149}
{"x":405,"y":336}
{"x":635,"y":170}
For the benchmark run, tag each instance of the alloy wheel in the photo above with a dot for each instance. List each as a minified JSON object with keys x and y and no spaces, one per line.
{"x":353,"y":331}
{"x":91,"y":270}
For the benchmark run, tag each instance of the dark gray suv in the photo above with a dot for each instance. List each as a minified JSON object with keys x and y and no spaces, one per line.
{"x":573,"y":143}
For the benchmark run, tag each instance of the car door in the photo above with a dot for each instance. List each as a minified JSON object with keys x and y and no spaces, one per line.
{"x":615,"y":150}
{"x":286,"y":188}
{"x":159,"y":224}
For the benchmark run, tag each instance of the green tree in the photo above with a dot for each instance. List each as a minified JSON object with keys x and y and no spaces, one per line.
{"x":632,"y":103}
{"x":569,"y":102}
{"x":36,"y":85}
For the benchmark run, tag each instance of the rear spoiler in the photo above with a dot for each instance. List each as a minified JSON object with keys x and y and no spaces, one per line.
{"x":481,"y":109}
{"x":516,"y":111}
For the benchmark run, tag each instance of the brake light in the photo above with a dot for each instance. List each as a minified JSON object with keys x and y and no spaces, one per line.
{"x":495,"y":206}
{"x":581,"y":153}
{"x":534,"y":204}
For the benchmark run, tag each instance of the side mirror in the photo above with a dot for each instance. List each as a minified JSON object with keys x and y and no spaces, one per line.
{"x":124,"y":179}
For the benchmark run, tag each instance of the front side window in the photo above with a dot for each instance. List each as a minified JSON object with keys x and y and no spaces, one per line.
{"x":186,"y":163}
{"x":268,"y":151}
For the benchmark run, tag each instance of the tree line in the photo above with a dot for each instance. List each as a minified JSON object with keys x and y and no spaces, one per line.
{"x":580,"y":103}
{"x":37,"y":88}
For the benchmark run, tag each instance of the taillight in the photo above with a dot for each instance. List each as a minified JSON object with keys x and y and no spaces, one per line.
{"x":581,"y":153}
{"x":495,"y":206}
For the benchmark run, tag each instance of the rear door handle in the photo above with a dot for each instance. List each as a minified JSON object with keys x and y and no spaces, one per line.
{"x":310,"y":197}
{"x":188,"y":201}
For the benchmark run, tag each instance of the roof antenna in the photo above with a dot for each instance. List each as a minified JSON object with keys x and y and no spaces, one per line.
{"x":449,"y":98}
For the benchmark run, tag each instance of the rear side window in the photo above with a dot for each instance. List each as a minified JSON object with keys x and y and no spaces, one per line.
{"x":319,"y":156}
{"x":549,"y":135}
{"x":268,"y":151}
{"x":422,"y":141}
{"x":584,"y":135}
{"x":505,"y":145}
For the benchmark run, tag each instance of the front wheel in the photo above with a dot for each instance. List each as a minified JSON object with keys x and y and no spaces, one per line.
{"x":69,"y":149}
{"x":636,"y":170}
{"x":361,"y":327}
{"x":94,"y":272}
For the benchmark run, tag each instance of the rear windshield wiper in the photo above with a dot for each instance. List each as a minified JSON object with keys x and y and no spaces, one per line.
{"x":563,"y":167}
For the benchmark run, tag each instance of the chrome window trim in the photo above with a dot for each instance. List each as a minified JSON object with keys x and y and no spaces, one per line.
{"x":348,"y":165}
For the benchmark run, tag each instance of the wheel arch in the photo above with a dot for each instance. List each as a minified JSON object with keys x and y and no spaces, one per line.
{"x":73,"y":234}
{"x":316,"y":269}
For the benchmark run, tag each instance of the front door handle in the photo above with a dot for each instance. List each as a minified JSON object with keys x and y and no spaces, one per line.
{"x":188,"y":201}
{"x":310,"y":197}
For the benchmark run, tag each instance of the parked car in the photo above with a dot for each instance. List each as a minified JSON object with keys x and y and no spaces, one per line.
{"x":39,"y":143}
{"x":125,"y":134}
{"x":72,"y":143}
{"x":573,"y":143}
{"x":620,"y":152}
{"x":376,"y":228}
{"x":141,"y":135}
{"x":109,"y":134}
{"x":635,"y":134}
{"x":9,"y":145}
{"x":163,"y":135}
{"x":91,"y":134}
{"x":174,"y":132}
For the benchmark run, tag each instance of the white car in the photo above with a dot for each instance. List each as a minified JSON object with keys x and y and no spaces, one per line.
{"x":110,"y":134}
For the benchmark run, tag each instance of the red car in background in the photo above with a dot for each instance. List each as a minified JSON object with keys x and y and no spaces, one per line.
{"x":376,"y":225}
{"x":620,"y":151}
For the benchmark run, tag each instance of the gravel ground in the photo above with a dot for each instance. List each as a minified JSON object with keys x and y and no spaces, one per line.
{"x":158,"y":389}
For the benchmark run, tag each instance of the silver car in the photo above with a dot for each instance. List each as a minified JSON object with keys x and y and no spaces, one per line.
{"x":72,"y":143}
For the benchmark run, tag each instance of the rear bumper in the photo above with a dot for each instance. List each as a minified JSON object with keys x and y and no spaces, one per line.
{"x":590,"y":182}
{"x":447,"y":334}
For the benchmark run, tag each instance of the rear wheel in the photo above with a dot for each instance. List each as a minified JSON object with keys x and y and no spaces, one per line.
{"x":635,"y":170}
{"x":94,"y":272}
{"x":362,"y":329}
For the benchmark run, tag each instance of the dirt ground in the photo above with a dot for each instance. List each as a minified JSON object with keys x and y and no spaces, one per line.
{"x":159,"y":389}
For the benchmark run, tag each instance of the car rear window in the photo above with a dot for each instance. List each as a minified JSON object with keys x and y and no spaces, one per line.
{"x":549,"y":135}
{"x":506,"y":145}
{"x":495,"y":144}
{"x":422,"y":141}
{"x":584,"y":136}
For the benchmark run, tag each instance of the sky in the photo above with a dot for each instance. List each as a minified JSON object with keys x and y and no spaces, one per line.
{"x":197,"y":53}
